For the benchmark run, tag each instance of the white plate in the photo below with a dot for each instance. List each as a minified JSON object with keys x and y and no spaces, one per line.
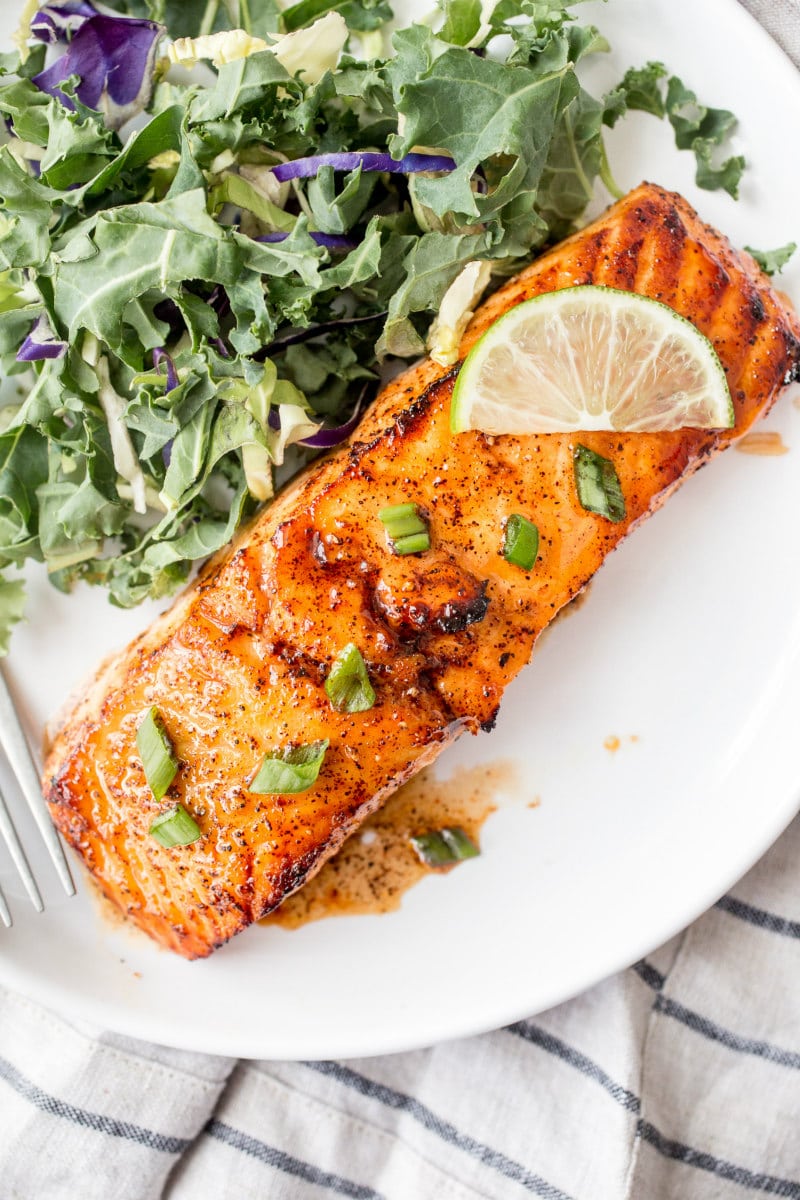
{"x":690,"y":639}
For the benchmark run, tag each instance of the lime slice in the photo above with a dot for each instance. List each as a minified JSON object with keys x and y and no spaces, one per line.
{"x":591,"y":358}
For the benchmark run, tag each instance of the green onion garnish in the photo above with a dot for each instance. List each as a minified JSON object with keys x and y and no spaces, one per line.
{"x":290,"y":770}
{"x":407,"y":531}
{"x":348,"y":685}
{"x":175,"y":827}
{"x":155,"y":750}
{"x":401,"y":519}
{"x":521,"y":543}
{"x":598,"y":484}
{"x":413,"y":543}
{"x":444,"y":847}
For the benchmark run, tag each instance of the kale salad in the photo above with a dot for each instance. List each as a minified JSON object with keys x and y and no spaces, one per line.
{"x":220,"y":220}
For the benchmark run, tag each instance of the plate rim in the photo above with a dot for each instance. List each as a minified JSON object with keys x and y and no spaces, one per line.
{"x":137,"y":1022}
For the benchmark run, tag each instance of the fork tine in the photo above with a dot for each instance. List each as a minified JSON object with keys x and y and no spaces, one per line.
{"x":5,"y":915}
{"x":20,"y":758}
{"x":9,"y":836}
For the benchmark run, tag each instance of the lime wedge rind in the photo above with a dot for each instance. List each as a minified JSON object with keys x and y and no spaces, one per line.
{"x":591,"y":358}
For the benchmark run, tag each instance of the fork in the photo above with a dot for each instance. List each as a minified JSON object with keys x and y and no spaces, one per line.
{"x":20,"y":759}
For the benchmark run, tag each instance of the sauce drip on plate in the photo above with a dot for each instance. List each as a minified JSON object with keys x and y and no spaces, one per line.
{"x":762,"y":442}
{"x":377,"y":866}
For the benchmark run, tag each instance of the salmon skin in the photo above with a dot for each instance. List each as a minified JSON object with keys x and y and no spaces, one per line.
{"x":237,"y":667}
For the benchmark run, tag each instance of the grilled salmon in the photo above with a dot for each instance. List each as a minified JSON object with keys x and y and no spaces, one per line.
{"x":237,"y":667}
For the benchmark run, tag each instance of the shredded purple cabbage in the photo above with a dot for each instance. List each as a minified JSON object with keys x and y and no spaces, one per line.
{"x":325,"y":439}
{"x":160,"y":356}
{"x":114,"y":57}
{"x":168,"y":311}
{"x":40,"y":343}
{"x":368,"y":160}
{"x":219,"y":300}
{"x":314,"y":331}
{"x":332,"y":241}
{"x":59,"y":22}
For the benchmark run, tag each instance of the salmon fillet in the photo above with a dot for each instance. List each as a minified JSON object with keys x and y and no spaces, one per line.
{"x":237,"y":667}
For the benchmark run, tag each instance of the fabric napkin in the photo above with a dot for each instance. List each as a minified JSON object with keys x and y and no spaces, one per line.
{"x":781,"y":18}
{"x":678,"y":1079}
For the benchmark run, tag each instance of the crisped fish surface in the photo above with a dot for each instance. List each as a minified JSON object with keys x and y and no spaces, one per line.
{"x":237,"y":667}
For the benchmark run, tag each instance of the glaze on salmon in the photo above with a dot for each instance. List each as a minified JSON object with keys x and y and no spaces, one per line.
{"x":237,"y":667}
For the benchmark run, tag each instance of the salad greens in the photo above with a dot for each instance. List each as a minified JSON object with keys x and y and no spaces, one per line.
{"x":697,"y":128}
{"x":772,"y":262}
{"x":182,"y":301}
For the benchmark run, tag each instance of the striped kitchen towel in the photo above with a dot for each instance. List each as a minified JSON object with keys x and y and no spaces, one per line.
{"x":678,"y":1079}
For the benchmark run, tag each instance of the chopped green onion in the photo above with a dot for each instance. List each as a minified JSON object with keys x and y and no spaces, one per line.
{"x":348,"y":685}
{"x":404,"y":527}
{"x":414,"y":543}
{"x":293,"y":769}
{"x":521,"y":543}
{"x":155,"y":750}
{"x":407,"y":530}
{"x":401,"y":519}
{"x":598,"y":484}
{"x":175,"y":827}
{"x":444,"y":847}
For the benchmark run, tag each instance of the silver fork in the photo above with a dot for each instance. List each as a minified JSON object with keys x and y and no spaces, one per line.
{"x":18,"y":753}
